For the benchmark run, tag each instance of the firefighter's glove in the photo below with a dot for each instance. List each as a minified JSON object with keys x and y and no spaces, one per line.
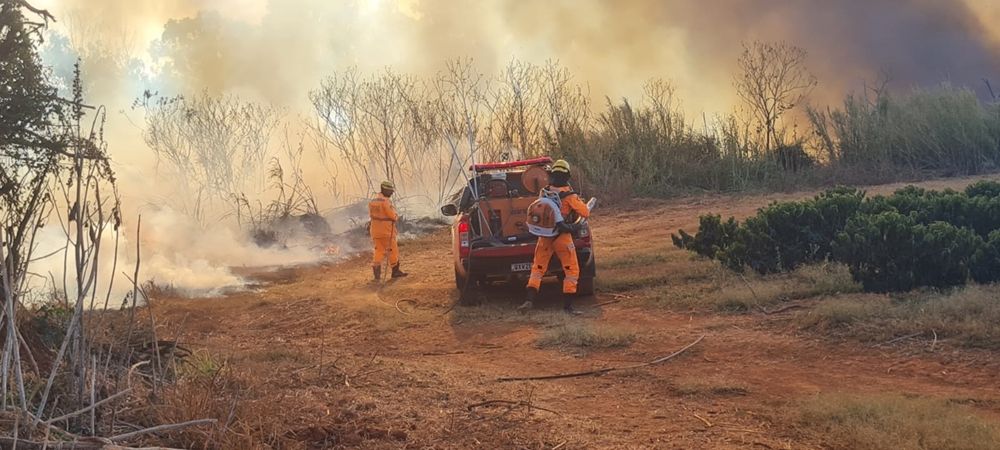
{"x":572,"y":228}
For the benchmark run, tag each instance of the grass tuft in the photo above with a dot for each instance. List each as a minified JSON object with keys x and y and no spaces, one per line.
{"x":732,"y":293}
{"x":586,"y":336}
{"x":635,"y":260}
{"x":969,"y":316}
{"x":897,"y":423}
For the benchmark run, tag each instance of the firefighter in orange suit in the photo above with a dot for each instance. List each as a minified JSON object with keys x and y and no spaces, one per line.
{"x":383,"y":231}
{"x":561,"y":244}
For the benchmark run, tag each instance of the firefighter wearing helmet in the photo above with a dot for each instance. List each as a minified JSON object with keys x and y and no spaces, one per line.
{"x":547,"y":220}
{"x":383,"y":231}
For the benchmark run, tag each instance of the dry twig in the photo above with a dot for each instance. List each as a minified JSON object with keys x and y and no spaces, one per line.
{"x":159,"y":428}
{"x":781,"y":309}
{"x":606,"y":369}
{"x":523,"y":403}
{"x":901,"y":338}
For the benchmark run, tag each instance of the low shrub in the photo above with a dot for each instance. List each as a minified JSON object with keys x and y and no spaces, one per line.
{"x":781,"y":237}
{"x":986,"y":261}
{"x":984,"y":188}
{"x":890,"y":252}
{"x":911,"y":238}
{"x":713,"y":236}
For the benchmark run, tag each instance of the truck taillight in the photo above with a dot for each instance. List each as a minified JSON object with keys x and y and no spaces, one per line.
{"x":463,"y":238}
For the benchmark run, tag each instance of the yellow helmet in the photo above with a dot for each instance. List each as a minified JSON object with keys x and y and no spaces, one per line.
{"x":560,"y":166}
{"x":388,"y":186}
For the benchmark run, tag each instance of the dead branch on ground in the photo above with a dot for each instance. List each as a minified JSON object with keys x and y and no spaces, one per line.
{"x":606,"y":369}
{"x":512,"y":404}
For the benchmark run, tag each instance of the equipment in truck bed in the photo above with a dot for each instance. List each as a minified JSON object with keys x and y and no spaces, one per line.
{"x":490,"y":237}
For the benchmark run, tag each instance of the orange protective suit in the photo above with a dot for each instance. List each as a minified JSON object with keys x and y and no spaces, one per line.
{"x":561,"y":245}
{"x":383,"y":230}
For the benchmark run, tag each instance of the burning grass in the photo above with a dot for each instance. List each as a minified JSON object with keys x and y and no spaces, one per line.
{"x":896,"y":422}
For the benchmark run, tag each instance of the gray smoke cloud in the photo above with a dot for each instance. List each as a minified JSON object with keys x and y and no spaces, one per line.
{"x":280,"y":49}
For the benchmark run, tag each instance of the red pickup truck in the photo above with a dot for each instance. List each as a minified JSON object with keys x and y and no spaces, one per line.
{"x":490,"y":240}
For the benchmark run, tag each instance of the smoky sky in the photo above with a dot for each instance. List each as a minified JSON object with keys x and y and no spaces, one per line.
{"x":611,"y":46}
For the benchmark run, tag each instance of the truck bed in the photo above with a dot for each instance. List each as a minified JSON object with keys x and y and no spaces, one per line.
{"x":510,"y":213}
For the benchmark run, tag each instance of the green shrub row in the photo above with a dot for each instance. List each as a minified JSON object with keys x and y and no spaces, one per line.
{"x":909,"y":239}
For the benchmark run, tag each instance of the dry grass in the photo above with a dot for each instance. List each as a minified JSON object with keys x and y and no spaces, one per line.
{"x":751,"y":294}
{"x":968,"y":316}
{"x":897,"y":423}
{"x":634,"y":260}
{"x":643,"y":271}
{"x":587,"y":335}
{"x":279,"y":355}
{"x":507,"y":313}
{"x":633,"y":281}
{"x":381,"y":317}
{"x":710,"y":287}
{"x":208,"y":388}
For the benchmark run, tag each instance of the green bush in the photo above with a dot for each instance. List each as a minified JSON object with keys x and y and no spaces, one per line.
{"x":781,"y":237}
{"x":981,"y":213}
{"x":909,"y":239}
{"x":713,"y":235}
{"x":986,"y":262}
{"x":984,"y":188}
{"x":890,"y":252}
{"x":945,"y":254}
{"x":880,"y":250}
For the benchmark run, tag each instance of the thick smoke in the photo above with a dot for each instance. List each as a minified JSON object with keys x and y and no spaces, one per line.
{"x":280,"y":49}
{"x":277,"y":51}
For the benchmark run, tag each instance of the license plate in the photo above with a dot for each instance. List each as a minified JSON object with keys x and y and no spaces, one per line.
{"x":520,"y":267}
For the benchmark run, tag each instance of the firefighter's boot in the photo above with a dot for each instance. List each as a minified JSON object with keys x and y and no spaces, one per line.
{"x":377,"y":272}
{"x":529,"y":301}
{"x":396,"y":273}
{"x":568,"y":305}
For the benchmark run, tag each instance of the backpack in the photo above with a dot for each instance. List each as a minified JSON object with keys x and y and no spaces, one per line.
{"x":544,"y":214}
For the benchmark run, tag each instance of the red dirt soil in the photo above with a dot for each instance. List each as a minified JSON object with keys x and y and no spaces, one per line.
{"x":353,"y":365}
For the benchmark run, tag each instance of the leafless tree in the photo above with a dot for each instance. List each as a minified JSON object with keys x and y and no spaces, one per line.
{"x":338,"y":104}
{"x":660,"y":94}
{"x":460,"y":91}
{"x":516,"y":113}
{"x":216,"y":146}
{"x":772,"y":80}
{"x":566,"y":104}
{"x":384,"y":105}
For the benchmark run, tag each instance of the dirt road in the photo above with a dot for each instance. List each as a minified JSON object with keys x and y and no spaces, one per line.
{"x":347,"y":364}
